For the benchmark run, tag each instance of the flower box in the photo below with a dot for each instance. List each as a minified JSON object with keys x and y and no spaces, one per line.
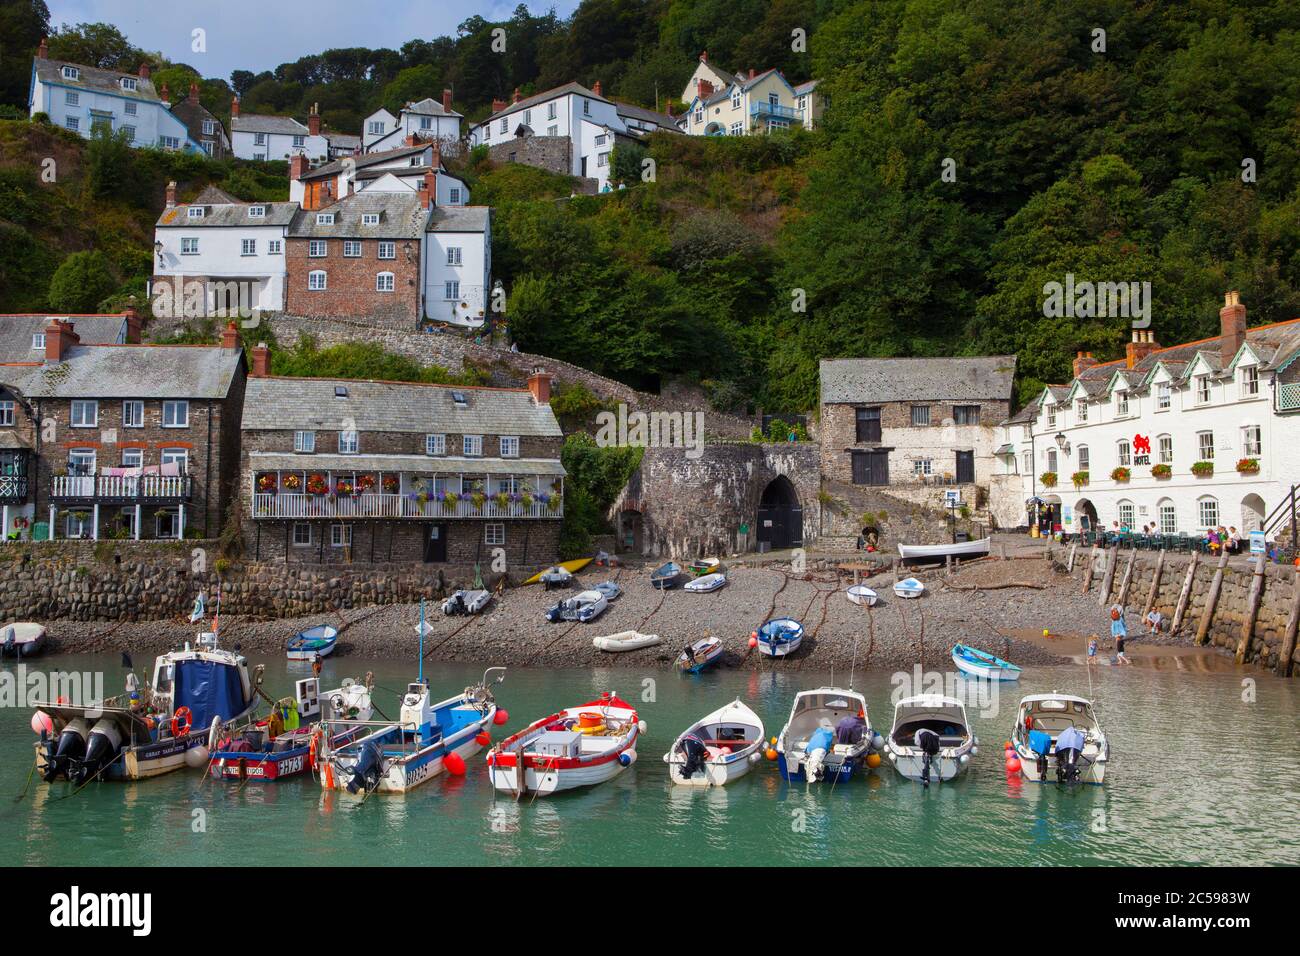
{"x":1080,"y":479}
{"x":1120,"y":475}
{"x":317,"y":485}
{"x":1248,"y":466}
{"x":291,"y":482}
{"x":1048,"y":479}
{"x":1161,"y":471}
{"x":1203,"y":469}
{"x":266,"y":483}
{"x":391,"y":484}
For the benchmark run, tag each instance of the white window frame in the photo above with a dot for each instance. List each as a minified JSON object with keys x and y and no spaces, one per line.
{"x":256,"y":212}
{"x":297,"y":527}
{"x":923,"y":466}
{"x":248,"y":247}
{"x":451,"y":290}
{"x":1084,"y":457}
{"x":317,"y":280}
{"x":1164,"y":396}
{"x":370,"y":219}
{"x":1205,"y":445}
{"x":72,"y":98}
{"x":82,"y":405}
{"x":349,"y":442}
{"x":472,"y":446}
{"x":385,"y":282}
{"x":180,"y":456}
{"x":351,"y":249}
{"x":38,"y":341}
{"x":132,"y":457}
{"x":1250,"y":381}
{"x":6,"y":414}
{"x":176,"y":414}
{"x":71,"y":73}
{"x":133,"y":413}
{"x":1252,"y":441}
{"x":340,"y":535}
{"x":1081,"y":411}
{"x":1124,"y":453}
{"x":454,"y":255}
{"x":454,"y":195}
{"x":1165,"y":448}
{"x":304,"y":442}
{"x":509,"y":446}
{"x":273,"y":247}
{"x":195,"y":212}
{"x":494,"y":533}
{"x":1207,"y":511}
{"x":1168,"y":517}
{"x":1121,"y":402}
{"x":130,"y":109}
{"x":1202,"y":384}
{"x":73,"y":123}
{"x":189,"y":245}
{"x":324,"y":218}
{"x":387,"y":249}
{"x":317,"y":249}
{"x":435,"y":445}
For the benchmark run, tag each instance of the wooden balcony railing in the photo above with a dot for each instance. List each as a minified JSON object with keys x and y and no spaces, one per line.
{"x":297,"y":505}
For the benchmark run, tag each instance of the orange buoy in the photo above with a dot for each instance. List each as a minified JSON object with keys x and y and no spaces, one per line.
{"x":483,"y":738}
{"x":873,"y":761}
{"x":771,"y":753}
{"x":1013,"y":764}
{"x":500,"y":717}
{"x":454,"y":763}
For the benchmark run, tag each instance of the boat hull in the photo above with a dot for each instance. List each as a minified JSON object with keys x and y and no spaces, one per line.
{"x":717,"y":772}
{"x":543,"y":782}
{"x":419,"y":767}
{"x":864,"y":597}
{"x":940,"y":552}
{"x":144,"y":761}
{"x":1094,"y":773}
{"x":984,"y":672}
{"x":836,"y":769}
{"x":944,"y":768}
{"x":307,"y":654}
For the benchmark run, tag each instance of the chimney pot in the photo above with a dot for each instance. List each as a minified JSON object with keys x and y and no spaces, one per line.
{"x":539,"y":383}
{"x":234,"y":107}
{"x":43,"y":51}
{"x":1143,"y":344}
{"x":1232,"y":327}
{"x":171,"y":194}
{"x":498,"y":105}
{"x":704,"y":56}
{"x":752,"y":72}
{"x":194,"y":94}
{"x":261,"y":361}
{"x":313,"y":120}
{"x":596,"y":88}
{"x":230,"y":336}
{"x":59,"y":337}
{"x":297,"y":166}
{"x":1083,"y":361}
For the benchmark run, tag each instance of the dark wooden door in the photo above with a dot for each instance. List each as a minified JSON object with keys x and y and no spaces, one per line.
{"x":965,"y":466}
{"x":435,"y":544}
{"x":871,"y":467}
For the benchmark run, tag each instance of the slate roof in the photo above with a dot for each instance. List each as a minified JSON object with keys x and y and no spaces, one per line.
{"x":662,"y":120}
{"x":344,"y":140}
{"x":460,"y":219}
{"x":428,"y":107}
{"x":1027,"y":414}
{"x":361,"y":162}
{"x":193,"y":116}
{"x":16,"y":333}
{"x":856,"y":381}
{"x":526,"y":102}
{"x":287,"y":404}
{"x":131,"y":371}
{"x":804,"y":88}
{"x":401,"y":216}
{"x":261,"y":123}
{"x":286,"y":461}
{"x":93,"y":78}
{"x":222,"y":209}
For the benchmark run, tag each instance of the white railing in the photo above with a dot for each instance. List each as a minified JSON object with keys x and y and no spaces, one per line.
{"x":120,"y":486}
{"x":297,"y":505}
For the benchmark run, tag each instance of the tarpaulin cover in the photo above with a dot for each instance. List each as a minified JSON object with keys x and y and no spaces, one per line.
{"x":209,"y":689}
{"x":821,"y":739}
{"x":1071,"y":738}
{"x":1040,"y":742}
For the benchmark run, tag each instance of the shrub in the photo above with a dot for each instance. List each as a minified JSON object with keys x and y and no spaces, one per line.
{"x":80,"y":282}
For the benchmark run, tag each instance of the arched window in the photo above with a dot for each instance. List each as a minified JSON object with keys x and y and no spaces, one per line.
{"x":1125,"y":515}
{"x":384,"y":282}
{"x":1207,"y":510}
{"x":1168,"y":516}
{"x":316,"y":280}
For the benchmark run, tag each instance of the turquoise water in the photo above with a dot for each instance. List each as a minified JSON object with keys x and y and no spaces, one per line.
{"x":1198,"y":775}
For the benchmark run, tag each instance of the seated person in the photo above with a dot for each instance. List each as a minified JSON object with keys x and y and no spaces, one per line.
{"x":850,"y":728}
{"x":1154,"y":619}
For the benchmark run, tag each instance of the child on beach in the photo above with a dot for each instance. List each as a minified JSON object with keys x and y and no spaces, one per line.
{"x":1153,"y":619}
{"x":1119,"y":633}
{"x":1092,"y":649}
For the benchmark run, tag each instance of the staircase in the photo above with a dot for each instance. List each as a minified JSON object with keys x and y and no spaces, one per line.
{"x":1282,"y":523}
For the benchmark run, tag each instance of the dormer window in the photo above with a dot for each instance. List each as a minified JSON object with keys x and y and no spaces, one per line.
{"x":195,"y":212}
{"x":1250,"y":380}
{"x":370,"y":219}
{"x":71,"y":73}
{"x":324,"y":218}
{"x":1202,"y":389}
{"x":129,"y":84}
{"x":256,"y":212}
{"x":1051,"y":416}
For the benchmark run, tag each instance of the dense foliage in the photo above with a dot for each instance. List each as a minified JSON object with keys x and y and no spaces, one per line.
{"x":596,"y":475}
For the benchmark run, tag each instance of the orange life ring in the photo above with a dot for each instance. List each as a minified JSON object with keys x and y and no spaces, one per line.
{"x":177,"y":726}
{"x":311,"y":748}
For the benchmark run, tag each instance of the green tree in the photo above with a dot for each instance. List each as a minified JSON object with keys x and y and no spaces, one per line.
{"x":22,"y":25}
{"x":81,"y":281}
{"x":97,"y":44}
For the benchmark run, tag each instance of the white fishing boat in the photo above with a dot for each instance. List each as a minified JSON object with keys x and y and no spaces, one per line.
{"x":21,"y":639}
{"x":583,"y":606}
{"x":1060,"y":733}
{"x":706,"y":583}
{"x":624,"y":641}
{"x":931,"y":738}
{"x":861,"y":594}
{"x":828,"y":736}
{"x":973,"y":662}
{"x":779,"y":637}
{"x":909,"y":588}
{"x":466,"y":601}
{"x":576,"y":747}
{"x":941,"y":552}
{"x":717,"y":749}
{"x":698,"y":655}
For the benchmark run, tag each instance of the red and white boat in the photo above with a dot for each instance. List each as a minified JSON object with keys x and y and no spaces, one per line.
{"x":576,"y":747}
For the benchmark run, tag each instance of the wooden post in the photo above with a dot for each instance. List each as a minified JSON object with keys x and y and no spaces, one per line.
{"x":1184,"y":594}
{"x":1284,"y":665}
{"x":1252,"y":610}
{"x":1212,"y":599}
{"x":1087,"y":577}
{"x":1128,"y":578}
{"x":1155,"y":583}
{"x":1069,"y":564}
{"x":1108,"y":580}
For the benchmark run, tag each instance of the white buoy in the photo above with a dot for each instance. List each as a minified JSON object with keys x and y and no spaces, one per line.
{"x":196,"y":757}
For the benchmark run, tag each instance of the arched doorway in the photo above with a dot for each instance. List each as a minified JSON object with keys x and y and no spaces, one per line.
{"x":1085,"y":513}
{"x":1252,"y":513}
{"x":630,"y":532}
{"x":780,"y":518}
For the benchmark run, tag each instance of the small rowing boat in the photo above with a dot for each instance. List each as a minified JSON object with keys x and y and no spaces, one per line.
{"x":624,"y":641}
{"x":702,"y":566}
{"x":318,"y":641}
{"x":973,"y":662}
{"x":699,"y":655}
{"x":667,"y":576}
{"x":909,"y":588}
{"x":862,"y":595}
{"x":705,"y":584}
{"x":941,"y":552}
{"x":716,"y":749}
{"x":22,"y":639}
{"x":779,"y":637}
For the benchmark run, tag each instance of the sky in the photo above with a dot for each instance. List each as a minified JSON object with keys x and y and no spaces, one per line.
{"x":259,"y":35}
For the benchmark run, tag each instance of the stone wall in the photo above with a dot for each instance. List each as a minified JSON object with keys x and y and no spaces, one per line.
{"x":897,"y":519}
{"x":553,"y":153}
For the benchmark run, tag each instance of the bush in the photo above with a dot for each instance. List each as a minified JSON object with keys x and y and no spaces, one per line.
{"x":81,"y":281}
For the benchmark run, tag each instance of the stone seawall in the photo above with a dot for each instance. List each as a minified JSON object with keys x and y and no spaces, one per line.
{"x":1229,"y":625}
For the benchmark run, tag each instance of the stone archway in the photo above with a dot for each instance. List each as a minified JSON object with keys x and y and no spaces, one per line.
{"x":630,"y":532}
{"x":780,"y":516}
{"x":1252,"y":513}
{"x":1085,"y":510}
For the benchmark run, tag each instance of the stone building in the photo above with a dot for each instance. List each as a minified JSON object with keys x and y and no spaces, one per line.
{"x":336,"y":471}
{"x":122,"y":440}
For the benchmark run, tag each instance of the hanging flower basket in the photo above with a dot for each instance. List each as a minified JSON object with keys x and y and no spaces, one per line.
{"x":266,"y":483}
{"x":555,"y":502}
{"x":526,"y":501}
{"x":291,"y":482}
{"x":450,"y":499}
{"x":344,"y":486}
{"x":1203,"y":469}
{"x":1080,"y":479}
{"x":479,"y":499}
{"x":501,"y":500}
{"x":391,"y":484}
{"x":1121,"y":475}
{"x":1161,"y":471}
{"x":365,"y":484}
{"x":317,"y":485}
{"x":1048,"y":479}
{"x":1248,"y":466}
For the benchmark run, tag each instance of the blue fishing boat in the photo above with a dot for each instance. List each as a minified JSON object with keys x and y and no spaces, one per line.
{"x":312,"y":643}
{"x":667,"y":576}
{"x":779,"y":637}
{"x":973,"y":662}
{"x":699,"y":655}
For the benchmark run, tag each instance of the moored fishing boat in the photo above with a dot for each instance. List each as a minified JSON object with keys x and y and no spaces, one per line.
{"x":667,"y":576}
{"x":286,"y":743}
{"x":716,"y":749}
{"x":973,"y":662}
{"x":828,"y":736}
{"x":861,"y":594}
{"x":931,"y":738}
{"x":576,"y":747}
{"x":779,"y":637}
{"x":22,"y":639}
{"x":698,"y":655}
{"x":941,"y":552}
{"x":909,"y":588}
{"x":706,"y":583}
{"x":318,"y":641}
{"x":1060,"y":731}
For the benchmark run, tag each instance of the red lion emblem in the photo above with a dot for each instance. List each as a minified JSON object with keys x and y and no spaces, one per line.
{"x":1141,"y":446}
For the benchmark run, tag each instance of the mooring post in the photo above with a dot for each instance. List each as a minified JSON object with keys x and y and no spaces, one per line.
{"x":1284,"y":664}
{"x":1184,"y":594}
{"x":1087,"y":577}
{"x":1252,"y":610}
{"x":1128,"y":578}
{"x":1069,"y":564}
{"x":1212,"y":599}
{"x":1108,"y":579}
{"x":1155,"y":583}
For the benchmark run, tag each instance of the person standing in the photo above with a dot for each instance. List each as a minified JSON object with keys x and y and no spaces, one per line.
{"x":1119,"y":634}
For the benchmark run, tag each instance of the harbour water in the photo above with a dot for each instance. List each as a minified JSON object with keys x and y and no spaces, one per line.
{"x":1204,"y":769}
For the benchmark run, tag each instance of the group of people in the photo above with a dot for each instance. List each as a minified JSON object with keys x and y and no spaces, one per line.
{"x":1153,"y":620}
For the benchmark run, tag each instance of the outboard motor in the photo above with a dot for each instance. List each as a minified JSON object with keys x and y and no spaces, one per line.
{"x":928,"y":742}
{"x":1040,"y":742}
{"x":695,"y":752}
{"x":102,"y":748}
{"x":365,"y":772}
{"x":455,"y":604}
{"x":68,"y":751}
{"x":9,"y":647}
{"x":819,"y":745}
{"x":1069,"y":754}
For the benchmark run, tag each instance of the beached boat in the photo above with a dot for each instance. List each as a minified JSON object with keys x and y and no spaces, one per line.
{"x":667,"y":576}
{"x":624,"y":641}
{"x":861,"y":594}
{"x":909,"y":588}
{"x":699,"y":655}
{"x":717,"y":749}
{"x":572,"y":567}
{"x":173,"y":722}
{"x":931,"y":738}
{"x":556,"y":577}
{"x":707,"y":583}
{"x":318,"y":641}
{"x":973,"y":662}
{"x":286,"y":743}
{"x":22,"y":639}
{"x":779,"y":637}
{"x":583,"y":606}
{"x":1060,"y":732}
{"x":704,"y":566}
{"x":426,"y":739}
{"x":610,"y":589}
{"x":828,"y":736}
{"x":576,"y":747}
{"x":941,"y":552}
{"x":466,"y":601}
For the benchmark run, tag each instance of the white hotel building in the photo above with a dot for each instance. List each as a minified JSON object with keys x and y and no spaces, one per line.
{"x":1184,"y":438}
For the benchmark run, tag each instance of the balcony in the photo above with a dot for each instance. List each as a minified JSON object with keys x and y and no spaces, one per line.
{"x":121,"y":489}
{"x":775,"y":111}
{"x":397,"y":506}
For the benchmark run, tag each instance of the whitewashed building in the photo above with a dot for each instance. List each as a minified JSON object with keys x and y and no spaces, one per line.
{"x":85,"y":98}
{"x":458,"y":265}
{"x":427,"y":119}
{"x":1182,"y":438}
{"x":261,"y":137}
{"x":759,"y":102}
{"x":408,"y":164}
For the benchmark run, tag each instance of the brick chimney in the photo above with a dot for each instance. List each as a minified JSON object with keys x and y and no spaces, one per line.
{"x":313,"y":120}
{"x":1083,"y":360}
{"x":234,"y":107}
{"x":165,"y":94}
{"x":429,"y":190}
{"x":59,"y":337}
{"x":261,"y":361}
{"x":705,"y":89}
{"x":194,"y":94}
{"x":1143,"y":344}
{"x":43,"y":51}
{"x":515,"y":97}
{"x":1232,"y":326}
{"x":752,"y":72}
{"x":539,"y":383}
{"x":446,"y":101}
{"x":596,"y":88}
{"x":171,"y":194}
{"x":297,"y":166}
{"x":410,"y":140}
{"x":704,"y":56}
{"x":144,"y":71}
{"x":230,"y":336}
{"x":133,"y":325}
{"x":498,"y":105}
